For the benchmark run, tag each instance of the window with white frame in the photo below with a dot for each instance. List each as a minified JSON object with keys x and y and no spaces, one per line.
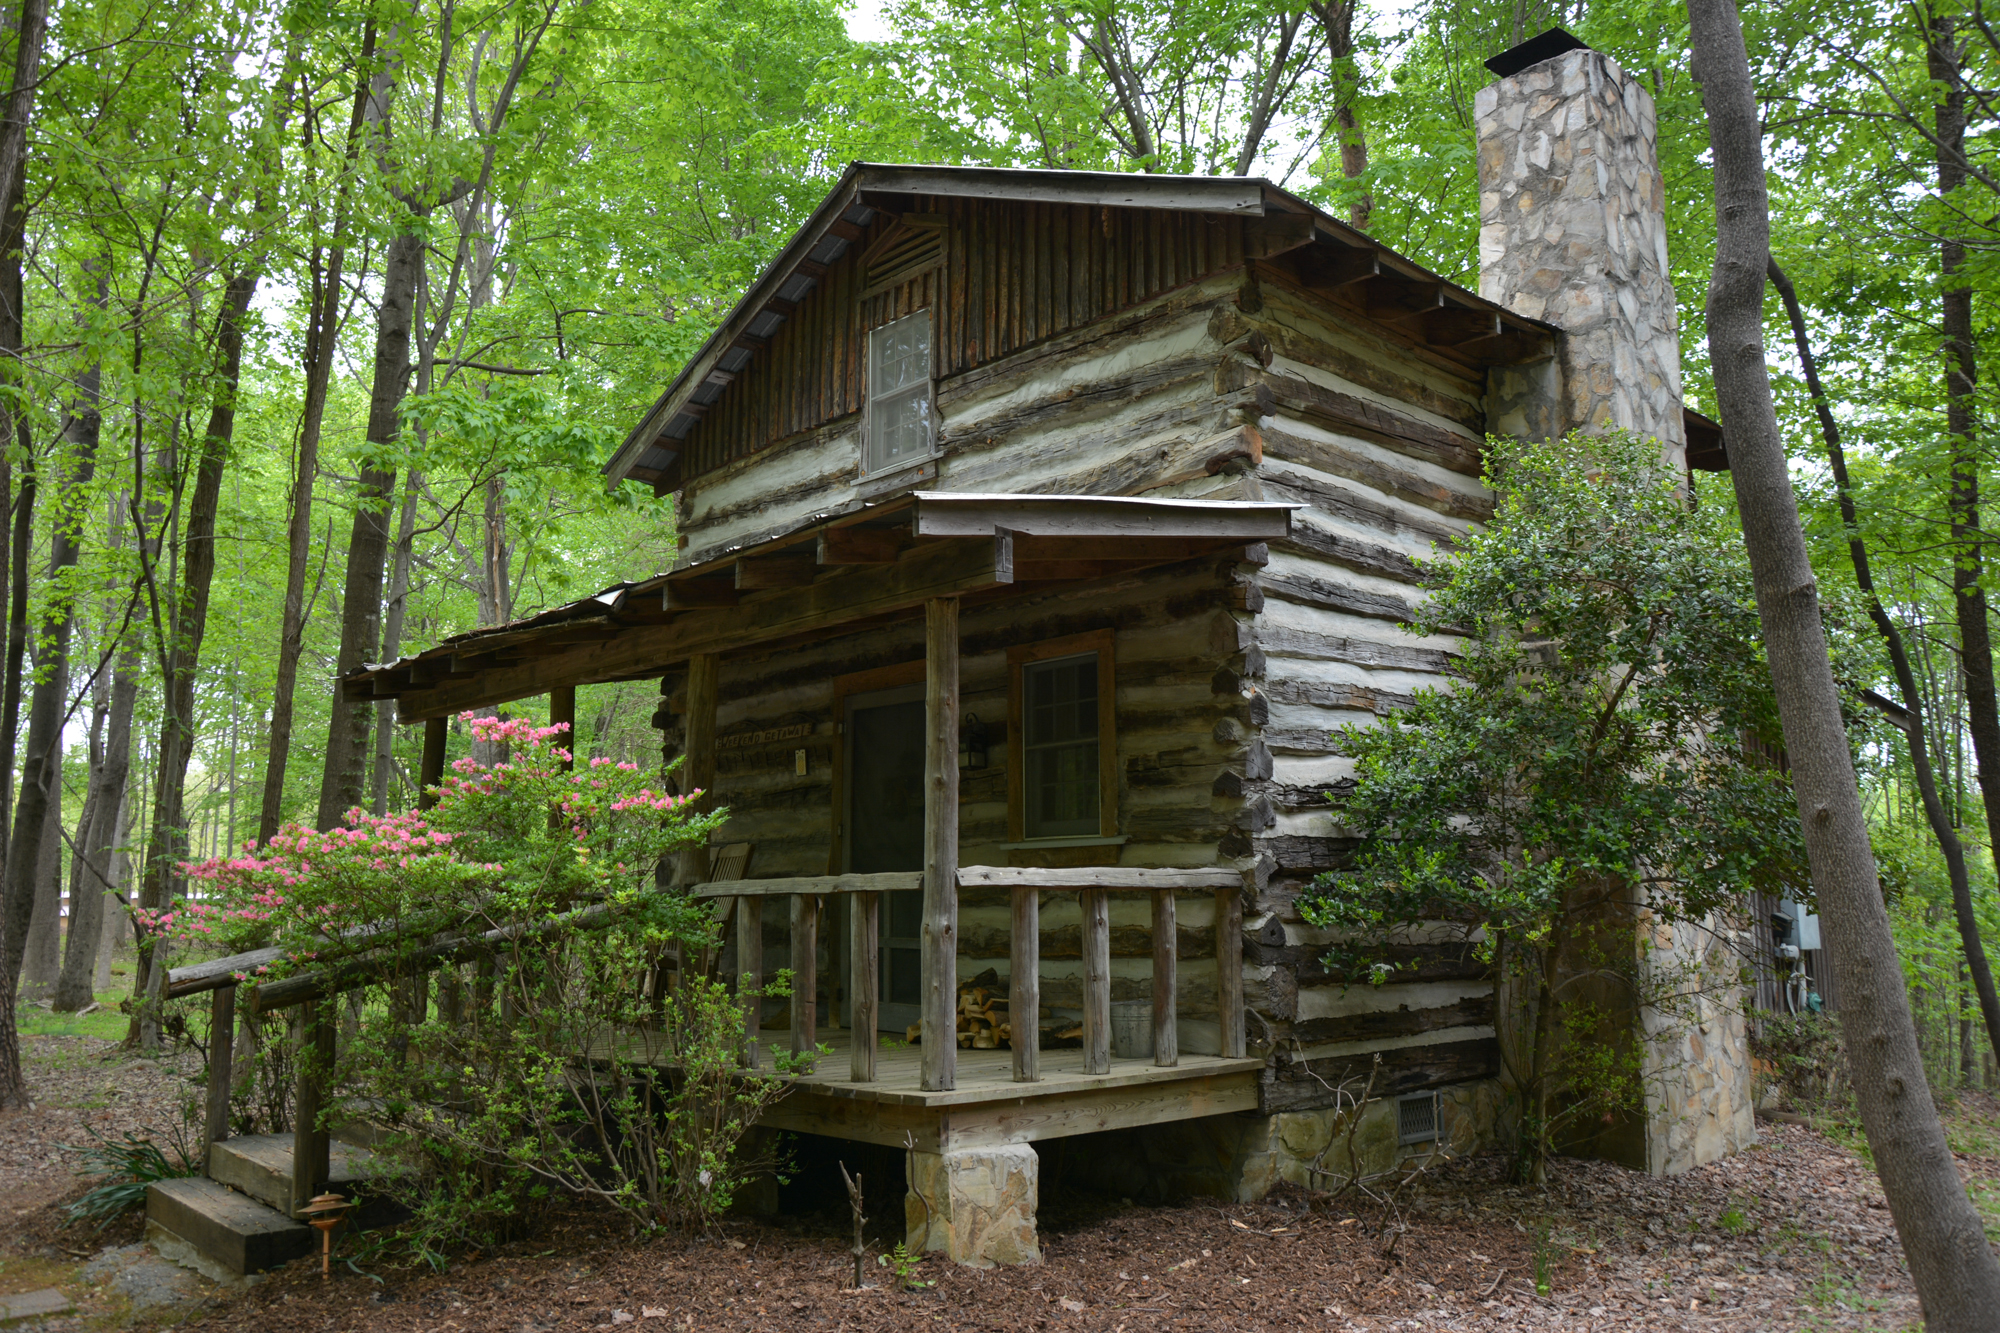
{"x":900,"y":417}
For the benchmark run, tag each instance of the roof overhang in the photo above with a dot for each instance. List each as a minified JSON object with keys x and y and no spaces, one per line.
{"x":879,"y":564}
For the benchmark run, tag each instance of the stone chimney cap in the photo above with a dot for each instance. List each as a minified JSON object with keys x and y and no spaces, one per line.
{"x":1547,"y":46}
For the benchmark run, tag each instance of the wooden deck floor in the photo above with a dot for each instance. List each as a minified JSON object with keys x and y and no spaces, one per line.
{"x":989,"y":1107}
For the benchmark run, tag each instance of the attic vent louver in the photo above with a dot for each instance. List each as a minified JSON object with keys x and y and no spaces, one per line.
{"x":914,"y":245}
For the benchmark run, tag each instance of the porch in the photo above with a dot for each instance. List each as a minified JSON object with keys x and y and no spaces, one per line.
{"x":970,"y":1117}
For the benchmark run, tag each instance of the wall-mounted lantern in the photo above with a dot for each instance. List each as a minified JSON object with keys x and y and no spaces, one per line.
{"x":972,"y":742}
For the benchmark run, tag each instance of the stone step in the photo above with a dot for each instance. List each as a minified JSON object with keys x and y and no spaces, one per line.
{"x":210,"y":1227}
{"x":260,"y":1165}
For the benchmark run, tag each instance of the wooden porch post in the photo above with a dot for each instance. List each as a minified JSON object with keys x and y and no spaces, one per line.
{"x":1024,"y":986}
{"x":562,"y":712}
{"x":698,"y":769}
{"x":431,"y":771}
{"x":940,"y":942}
{"x":312,"y":1148}
{"x":1229,"y":969}
{"x":805,"y":972}
{"x":221,"y":1048}
{"x":1166,"y":1022}
{"x":1096,"y":981}
{"x":865,"y":965}
{"x":750,"y":971}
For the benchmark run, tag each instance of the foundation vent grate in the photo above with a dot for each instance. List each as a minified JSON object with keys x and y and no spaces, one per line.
{"x":1417,"y":1118}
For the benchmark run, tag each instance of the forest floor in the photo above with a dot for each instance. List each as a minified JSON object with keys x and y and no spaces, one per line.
{"x":1791,"y":1235}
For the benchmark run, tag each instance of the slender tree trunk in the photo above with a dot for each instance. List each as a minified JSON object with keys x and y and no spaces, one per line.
{"x":368,"y":543}
{"x":117,"y":920}
{"x":1982,"y":705}
{"x":30,"y":25}
{"x":86,"y":894}
{"x":392,"y":640}
{"x":1956,"y":1274}
{"x":322,"y":333}
{"x":1336,"y":21}
{"x":167,"y":845}
{"x":1943,"y":828}
{"x":21,"y":539}
{"x":41,"y":962}
{"x":40,"y":783}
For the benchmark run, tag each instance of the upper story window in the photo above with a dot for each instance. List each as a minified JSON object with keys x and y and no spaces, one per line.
{"x":900,"y":416}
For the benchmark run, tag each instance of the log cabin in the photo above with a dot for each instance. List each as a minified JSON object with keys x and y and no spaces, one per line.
{"x":1038,"y":530}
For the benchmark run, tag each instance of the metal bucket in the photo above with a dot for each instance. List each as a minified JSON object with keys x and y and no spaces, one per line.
{"x":1132,"y":1029}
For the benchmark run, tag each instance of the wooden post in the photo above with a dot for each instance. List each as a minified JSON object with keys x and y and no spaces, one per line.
{"x":865,"y":965}
{"x":562,"y":712}
{"x":1096,"y":981}
{"x":1024,"y":986}
{"x":698,"y":769}
{"x":750,"y":971}
{"x":1229,"y":969}
{"x":805,"y":972}
{"x":311,"y":1147}
{"x":1166,"y":1022}
{"x":221,"y":1049}
{"x":431,"y":770}
{"x":940,"y":942}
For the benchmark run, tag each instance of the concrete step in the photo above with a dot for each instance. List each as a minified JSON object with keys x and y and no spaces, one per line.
{"x":260,"y":1165}
{"x":219,"y":1232}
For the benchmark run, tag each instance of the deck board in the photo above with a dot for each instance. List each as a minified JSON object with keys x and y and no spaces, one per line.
{"x":988,"y":1106}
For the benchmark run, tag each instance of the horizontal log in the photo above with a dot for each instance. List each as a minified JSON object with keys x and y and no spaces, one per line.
{"x":1352,"y":553}
{"x":1473,"y":1011}
{"x":1310,"y":591}
{"x":1066,"y":942}
{"x":1377,"y":473}
{"x":1114,"y":878}
{"x":1294,"y":1085}
{"x":891,"y":881}
{"x":1360,"y":417}
{"x":216,"y":972}
{"x":379,"y":964}
{"x":1283,"y":641}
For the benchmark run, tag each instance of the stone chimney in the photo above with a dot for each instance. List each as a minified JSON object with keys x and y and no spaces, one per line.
{"x":1572,"y":230}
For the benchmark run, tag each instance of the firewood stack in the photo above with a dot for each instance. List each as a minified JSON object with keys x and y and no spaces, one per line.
{"x":983,"y":1021}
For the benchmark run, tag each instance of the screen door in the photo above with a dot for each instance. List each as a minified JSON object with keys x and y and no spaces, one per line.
{"x":884,"y":736}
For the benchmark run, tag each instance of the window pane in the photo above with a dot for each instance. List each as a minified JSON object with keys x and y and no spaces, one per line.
{"x":899,"y":354}
{"x":900,"y":427}
{"x":1059,"y":748}
{"x":899,"y":391}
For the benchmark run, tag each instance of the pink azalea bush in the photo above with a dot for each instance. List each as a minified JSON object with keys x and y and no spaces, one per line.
{"x":504,"y":1021}
{"x":524,"y":835}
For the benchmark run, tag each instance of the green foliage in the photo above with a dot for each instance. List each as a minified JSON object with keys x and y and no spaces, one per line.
{"x":1806,"y":1058}
{"x":903,"y":1264}
{"x":126,"y":1165}
{"x":1593,"y":760}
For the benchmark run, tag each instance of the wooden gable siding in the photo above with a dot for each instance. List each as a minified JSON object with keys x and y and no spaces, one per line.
{"x":1015,"y":273}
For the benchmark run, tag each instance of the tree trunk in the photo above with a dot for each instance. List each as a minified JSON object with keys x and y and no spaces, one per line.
{"x":1336,"y":21}
{"x":117,"y":920}
{"x":1956,"y":1274}
{"x":321,"y":335}
{"x":188,"y":618}
{"x":1962,"y":421}
{"x":1940,"y":819}
{"x":368,"y":543}
{"x":21,"y":539}
{"x":41,"y":963}
{"x":95,"y":919}
{"x":392,"y":641}
{"x":40,"y":783}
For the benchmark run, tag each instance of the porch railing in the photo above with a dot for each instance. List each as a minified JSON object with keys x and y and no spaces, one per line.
{"x":1094,"y":886}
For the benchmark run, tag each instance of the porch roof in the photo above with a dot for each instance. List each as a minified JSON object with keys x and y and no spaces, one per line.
{"x":876,"y":563}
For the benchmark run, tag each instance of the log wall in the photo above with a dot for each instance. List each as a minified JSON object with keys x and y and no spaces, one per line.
{"x":1231,"y":677}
